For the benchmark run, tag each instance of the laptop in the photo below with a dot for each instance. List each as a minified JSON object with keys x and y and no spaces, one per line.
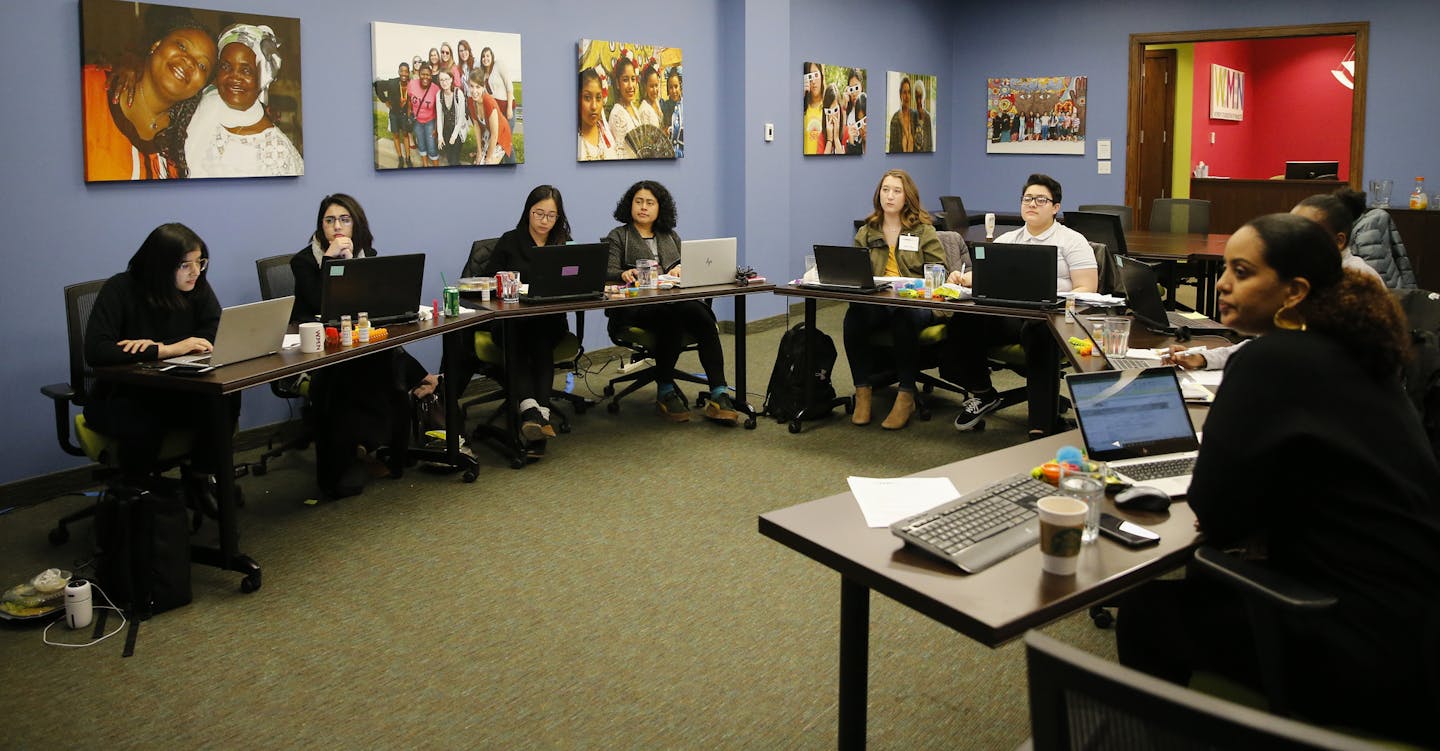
{"x":707,"y":262}
{"x":1017,"y":275}
{"x":246,"y":332}
{"x":1136,"y":421}
{"x":844,"y":268}
{"x":387,"y":288}
{"x":1142,"y":294}
{"x":567,"y":272}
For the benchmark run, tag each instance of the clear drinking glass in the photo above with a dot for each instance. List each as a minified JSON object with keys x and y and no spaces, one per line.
{"x":647,"y":274}
{"x":1117,"y":336}
{"x":1085,"y":482}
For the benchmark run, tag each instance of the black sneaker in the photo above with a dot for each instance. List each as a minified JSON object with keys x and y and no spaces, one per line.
{"x":673,"y":406}
{"x":534,"y":450}
{"x":722,"y":409}
{"x":534,"y":426}
{"x":975,"y":408}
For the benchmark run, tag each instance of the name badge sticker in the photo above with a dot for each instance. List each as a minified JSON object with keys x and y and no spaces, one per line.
{"x":910,"y":242}
{"x":337,"y":270}
{"x":979,"y":252}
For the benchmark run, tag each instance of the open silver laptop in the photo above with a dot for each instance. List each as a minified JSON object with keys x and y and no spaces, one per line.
{"x":246,"y":332}
{"x":706,"y":263}
{"x":1136,"y":421}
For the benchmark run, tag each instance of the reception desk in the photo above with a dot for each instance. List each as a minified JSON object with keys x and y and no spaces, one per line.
{"x":1235,"y":202}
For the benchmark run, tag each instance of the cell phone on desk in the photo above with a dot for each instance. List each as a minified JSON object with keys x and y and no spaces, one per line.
{"x":1129,"y":534}
{"x":157,"y":366}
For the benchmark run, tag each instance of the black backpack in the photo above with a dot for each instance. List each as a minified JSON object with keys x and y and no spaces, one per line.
{"x":1421,"y":375}
{"x":785,"y":396}
{"x":143,"y":546}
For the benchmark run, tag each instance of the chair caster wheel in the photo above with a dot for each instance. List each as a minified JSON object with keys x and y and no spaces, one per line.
{"x":470,"y":475}
{"x":609,"y":390}
{"x":794,"y":426}
{"x":59,"y":536}
{"x":613,"y":408}
{"x":1103,"y":618}
{"x":750,"y":423}
{"x":251,"y":583}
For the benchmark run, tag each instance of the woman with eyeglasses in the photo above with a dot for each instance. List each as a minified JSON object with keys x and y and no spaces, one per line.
{"x":160,"y":307}
{"x":812,"y":83}
{"x":465,"y":62}
{"x":361,"y":405}
{"x":452,"y":126}
{"x":924,"y":129}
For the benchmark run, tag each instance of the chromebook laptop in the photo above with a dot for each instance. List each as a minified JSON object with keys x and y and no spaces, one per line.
{"x":246,"y":332}
{"x":844,"y":268}
{"x":1016,"y":275}
{"x":707,"y":262}
{"x":567,"y":272}
{"x":387,"y":288}
{"x":1136,"y":421}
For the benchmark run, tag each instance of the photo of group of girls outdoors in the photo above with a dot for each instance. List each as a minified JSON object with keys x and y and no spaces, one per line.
{"x":446,"y":97}
{"x":1036,"y":115}
{"x":834,"y":107}
{"x":172,"y":93}
{"x":631,"y":101}
{"x":910,"y":113}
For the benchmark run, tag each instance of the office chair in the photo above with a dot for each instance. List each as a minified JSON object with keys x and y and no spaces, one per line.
{"x":491,"y":357}
{"x":75,"y":435}
{"x":1078,"y":700}
{"x":1100,"y":227}
{"x":1126,"y":214}
{"x":277,"y":280}
{"x":1180,"y":216}
{"x":956,"y":220}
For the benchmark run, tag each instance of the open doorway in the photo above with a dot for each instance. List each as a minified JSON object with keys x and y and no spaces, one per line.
{"x":1153,"y":150}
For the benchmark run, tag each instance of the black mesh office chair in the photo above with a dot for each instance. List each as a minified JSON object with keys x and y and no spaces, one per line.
{"x":277,"y":280}
{"x":1080,"y":701}
{"x":1180,"y":216}
{"x":1126,"y":214}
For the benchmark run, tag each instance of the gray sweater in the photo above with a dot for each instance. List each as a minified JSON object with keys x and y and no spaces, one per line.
{"x":627,"y":247}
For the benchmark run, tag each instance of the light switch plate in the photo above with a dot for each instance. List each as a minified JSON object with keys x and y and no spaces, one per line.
{"x":769,"y":132}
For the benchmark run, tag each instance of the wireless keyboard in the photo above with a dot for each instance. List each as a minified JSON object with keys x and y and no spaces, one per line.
{"x":982,"y":527}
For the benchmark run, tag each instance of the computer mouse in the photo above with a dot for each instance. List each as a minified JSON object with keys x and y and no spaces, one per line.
{"x":1142,"y":498}
{"x":1183,"y":333}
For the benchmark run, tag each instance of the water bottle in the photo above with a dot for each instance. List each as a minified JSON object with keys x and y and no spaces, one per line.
{"x":1418,"y":199}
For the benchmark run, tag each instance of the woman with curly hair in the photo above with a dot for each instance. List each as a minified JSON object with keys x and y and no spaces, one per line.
{"x":1319,"y":384}
{"x":647,"y":214}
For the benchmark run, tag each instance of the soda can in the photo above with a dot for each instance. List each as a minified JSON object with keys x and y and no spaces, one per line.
{"x":452,"y":301}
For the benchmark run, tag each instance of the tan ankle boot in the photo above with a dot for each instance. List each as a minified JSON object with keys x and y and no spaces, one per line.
{"x":861,"y":416}
{"x":900,"y":413}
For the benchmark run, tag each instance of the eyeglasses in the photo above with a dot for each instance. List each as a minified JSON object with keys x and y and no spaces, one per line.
{"x":852,"y":89}
{"x":544,"y":216}
{"x":344,"y":220}
{"x":832,"y":111}
{"x":1036,"y":201}
{"x":444,"y":53}
{"x":196,"y":266}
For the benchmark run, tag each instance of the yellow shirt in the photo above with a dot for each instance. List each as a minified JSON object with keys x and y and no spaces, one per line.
{"x":892,"y":266}
{"x":814,"y":132}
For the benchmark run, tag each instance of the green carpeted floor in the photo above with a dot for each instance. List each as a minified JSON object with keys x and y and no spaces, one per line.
{"x":614,"y":595}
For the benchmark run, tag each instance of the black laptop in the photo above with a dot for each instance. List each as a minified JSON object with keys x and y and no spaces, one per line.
{"x":385,"y":287}
{"x":844,"y":268}
{"x":567,"y":272}
{"x":1142,"y":294}
{"x":1015,"y":275}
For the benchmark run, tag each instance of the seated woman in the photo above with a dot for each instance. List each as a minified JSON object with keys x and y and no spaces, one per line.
{"x":542,"y":222}
{"x":1320,"y":384}
{"x":160,"y":307}
{"x":361,"y":404}
{"x":972,"y":335}
{"x":648,"y":231}
{"x":901,"y":240}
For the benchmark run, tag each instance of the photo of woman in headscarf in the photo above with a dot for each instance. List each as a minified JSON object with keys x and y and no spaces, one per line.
{"x":231,"y":134}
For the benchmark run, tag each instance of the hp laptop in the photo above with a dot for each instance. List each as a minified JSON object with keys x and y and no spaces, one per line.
{"x":245,"y":333}
{"x":567,"y":272}
{"x":1137,"y":422}
{"x":844,"y":268}
{"x":1142,"y":293}
{"x":707,"y":262}
{"x":1014,"y":275}
{"x":387,"y":288}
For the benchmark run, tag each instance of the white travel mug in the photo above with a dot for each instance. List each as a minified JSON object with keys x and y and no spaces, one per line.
{"x":312,"y":337}
{"x":989,"y":226}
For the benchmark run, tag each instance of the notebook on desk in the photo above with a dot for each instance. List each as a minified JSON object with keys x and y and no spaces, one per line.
{"x":1016,"y":275}
{"x":705,"y":263}
{"x":559,"y":273}
{"x":387,"y":288}
{"x":246,"y":332}
{"x":844,"y":268}
{"x":1136,"y":421}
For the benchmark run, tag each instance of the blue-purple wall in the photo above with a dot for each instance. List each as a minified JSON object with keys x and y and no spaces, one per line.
{"x":742,"y":55}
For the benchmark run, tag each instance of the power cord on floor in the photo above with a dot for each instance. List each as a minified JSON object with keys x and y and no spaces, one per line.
{"x":45,"y":635}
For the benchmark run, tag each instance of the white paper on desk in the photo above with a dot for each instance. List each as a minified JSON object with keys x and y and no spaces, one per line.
{"x":1193,"y":390}
{"x":1143,"y":354}
{"x":1094,"y":298}
{"x":884,"y":501}
{"x":1210,"y":378}
{"x":292,"y":341}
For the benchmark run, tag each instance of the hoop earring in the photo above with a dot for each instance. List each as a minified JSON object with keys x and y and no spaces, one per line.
{"x":1284,"y":321}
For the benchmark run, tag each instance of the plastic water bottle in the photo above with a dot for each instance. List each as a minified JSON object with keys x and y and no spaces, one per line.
{"x":1418,"y":199}
{"x":1070,"y":309}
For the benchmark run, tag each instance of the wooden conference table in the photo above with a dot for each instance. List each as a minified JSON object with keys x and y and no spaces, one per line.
{"x":992,"y":606}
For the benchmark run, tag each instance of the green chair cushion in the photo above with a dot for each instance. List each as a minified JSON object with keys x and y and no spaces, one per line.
{"x":100,"y":448}
{"x":488,"y":350}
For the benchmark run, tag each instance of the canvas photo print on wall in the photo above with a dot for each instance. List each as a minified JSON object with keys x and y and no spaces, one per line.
{"x":1036,"y":115}
{"x":446,"y":97}
{"x":169,"y":92}
{"x":910,"y":113}
{"x":631,"y":101}
{"x":833,"y":106}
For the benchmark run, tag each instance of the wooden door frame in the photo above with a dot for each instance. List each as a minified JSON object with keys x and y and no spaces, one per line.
{"x":1361,"y":30}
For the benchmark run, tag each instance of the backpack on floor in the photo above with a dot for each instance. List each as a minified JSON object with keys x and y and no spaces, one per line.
{"x":1422,"y":374}
{"x":785,"y":396}
{"x":143,"y":541}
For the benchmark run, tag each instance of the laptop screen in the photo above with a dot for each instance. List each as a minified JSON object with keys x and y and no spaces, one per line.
{"x":1131,"y":413}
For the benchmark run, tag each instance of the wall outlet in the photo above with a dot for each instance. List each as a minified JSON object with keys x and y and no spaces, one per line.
{"x":769,"y":132}
{"x":1103,"y":166}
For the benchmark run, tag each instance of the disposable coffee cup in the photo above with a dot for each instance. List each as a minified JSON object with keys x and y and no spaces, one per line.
{"x":1062,"y":523}
{"x":989,"y":226}
{"x":312,"y":337}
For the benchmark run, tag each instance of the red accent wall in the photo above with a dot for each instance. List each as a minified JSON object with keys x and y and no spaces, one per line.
{"x":1294,"y":107}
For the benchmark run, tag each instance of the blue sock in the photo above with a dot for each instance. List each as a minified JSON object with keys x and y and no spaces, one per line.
{"x":718,"y":390}
{"x":664,"y":389}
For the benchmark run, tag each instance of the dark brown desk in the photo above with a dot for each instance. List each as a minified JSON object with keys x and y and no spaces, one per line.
{"x":991,"y":607}
{"x":232,"y":379}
